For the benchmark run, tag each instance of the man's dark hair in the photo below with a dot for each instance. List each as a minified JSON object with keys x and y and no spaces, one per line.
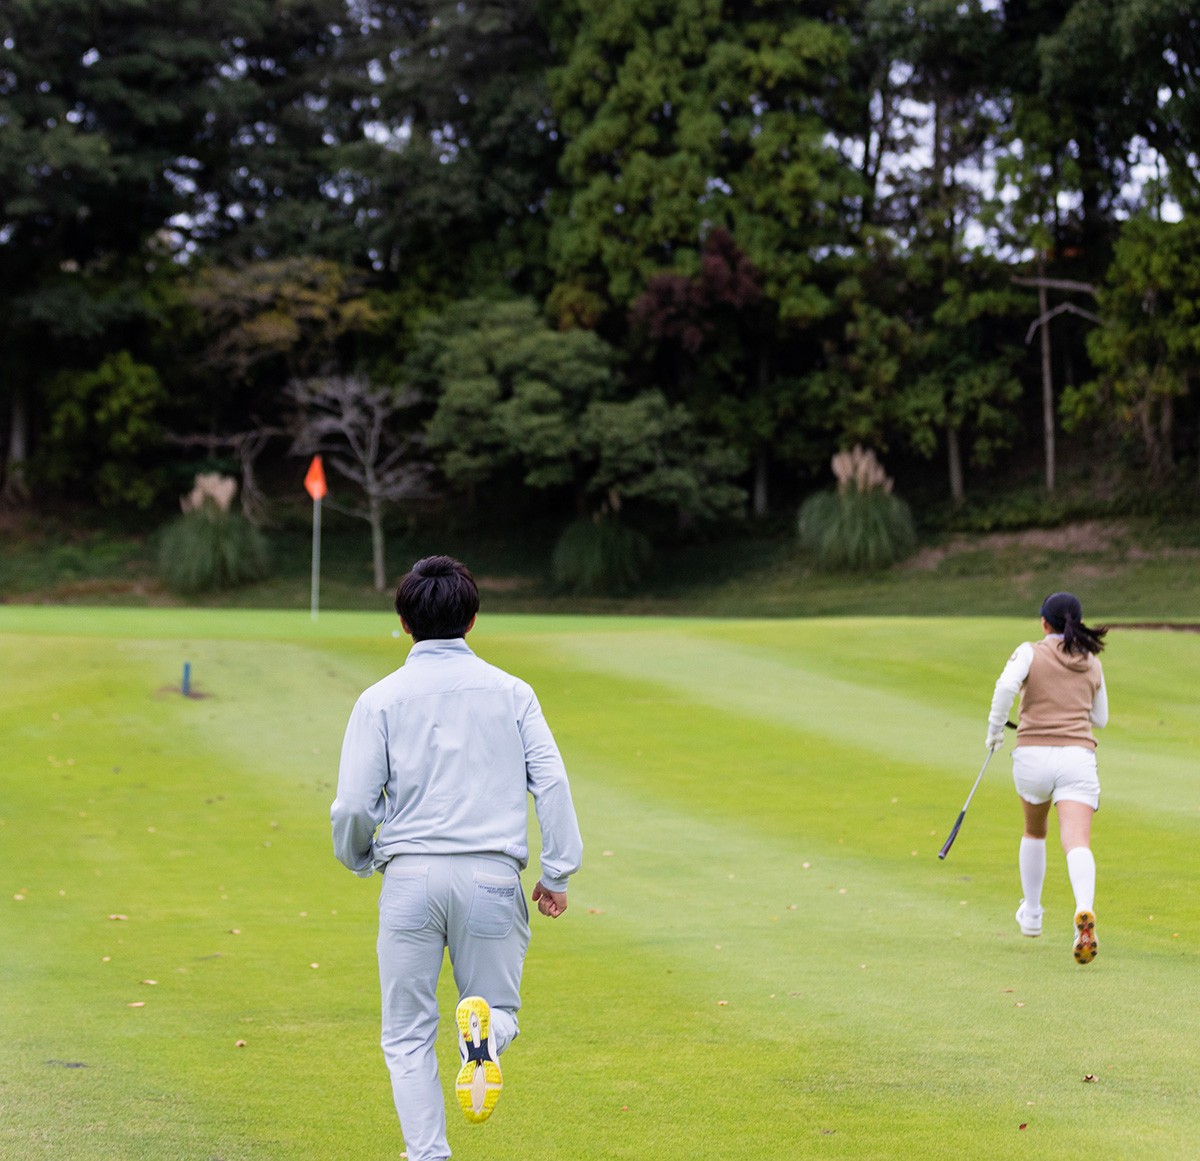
{"x":437,"y":598}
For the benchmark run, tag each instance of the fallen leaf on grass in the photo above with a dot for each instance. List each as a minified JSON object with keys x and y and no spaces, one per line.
{"x":118,"y":917}
{"x":137,"y":1004}
{"x":239,"y":1044}
{"x":722,"y":1003}
{"x":1023,"y":1125}
{"x":1089,"y":1078}
{"x":595,"y":911}
{"x":150,"y":982}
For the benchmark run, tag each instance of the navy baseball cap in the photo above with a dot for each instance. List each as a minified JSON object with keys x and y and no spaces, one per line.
{"x":1057,"y":607}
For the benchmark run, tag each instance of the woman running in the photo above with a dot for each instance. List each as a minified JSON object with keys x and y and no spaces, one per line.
{"x":1062,"y":693}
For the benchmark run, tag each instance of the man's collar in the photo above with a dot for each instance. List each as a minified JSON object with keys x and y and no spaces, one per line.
{"x":434,"y":645}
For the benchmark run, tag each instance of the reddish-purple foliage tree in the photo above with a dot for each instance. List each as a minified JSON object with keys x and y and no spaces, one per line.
{"x":688,"y":308}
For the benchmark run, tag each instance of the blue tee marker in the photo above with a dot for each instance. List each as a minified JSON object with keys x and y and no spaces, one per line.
{"x":186,"y":685}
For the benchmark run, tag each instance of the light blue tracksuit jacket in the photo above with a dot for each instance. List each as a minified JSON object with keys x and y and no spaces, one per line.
{"x":438,"y":758}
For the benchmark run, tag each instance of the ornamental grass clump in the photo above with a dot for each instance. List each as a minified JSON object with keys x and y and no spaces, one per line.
{"x":862,"y":526}
{"x":210,"y":547}
{"x":599,"y":557}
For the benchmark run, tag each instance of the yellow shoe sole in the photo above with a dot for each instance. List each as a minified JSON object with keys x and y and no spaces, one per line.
{"x":479,"y":1080}
{"x":1085,"y":937}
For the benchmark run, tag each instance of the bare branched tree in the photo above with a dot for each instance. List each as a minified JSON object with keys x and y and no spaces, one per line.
{"x":353,"y":427}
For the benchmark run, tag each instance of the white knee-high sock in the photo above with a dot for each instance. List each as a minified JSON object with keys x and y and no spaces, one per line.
{"x":1081,"y":867}
{"x":1032,"y":861}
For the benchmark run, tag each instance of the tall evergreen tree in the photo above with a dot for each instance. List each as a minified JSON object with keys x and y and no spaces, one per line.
{"x":101,"y":106}
{"x":682,"y":121}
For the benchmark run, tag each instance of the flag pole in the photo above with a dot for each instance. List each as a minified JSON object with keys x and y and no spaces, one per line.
{"x":316,"y":557}
{"x":314,"y":484}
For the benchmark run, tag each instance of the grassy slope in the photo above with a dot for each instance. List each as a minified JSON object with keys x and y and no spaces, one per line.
{"x":706,"y":993}
{"x":1135,"y":568}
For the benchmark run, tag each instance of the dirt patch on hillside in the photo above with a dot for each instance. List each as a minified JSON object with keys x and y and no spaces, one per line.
{"x":1087,"y":538}
{"x":502,"y":584}
{"x":93,"y":590}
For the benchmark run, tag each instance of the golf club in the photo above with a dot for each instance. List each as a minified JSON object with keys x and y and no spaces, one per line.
{"x":963,"y":813}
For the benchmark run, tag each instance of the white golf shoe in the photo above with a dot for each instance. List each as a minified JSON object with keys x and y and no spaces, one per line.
{"x":1029,"y":920}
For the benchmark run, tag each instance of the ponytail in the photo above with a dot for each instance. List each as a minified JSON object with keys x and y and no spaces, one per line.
{"x":1079,"y":638}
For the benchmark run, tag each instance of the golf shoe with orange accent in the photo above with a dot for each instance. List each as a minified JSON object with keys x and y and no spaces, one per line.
{"x":1085,"y":946}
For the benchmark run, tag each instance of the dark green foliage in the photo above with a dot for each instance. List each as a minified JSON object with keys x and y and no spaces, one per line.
{"x":784,"y":227}
{"x":207,"y":549}
{"x":105,"y":434}
{"x":600,"y":557}
{"x":517,"y":396}
{"x":856,"y":531}
{"x":1147,"y":349}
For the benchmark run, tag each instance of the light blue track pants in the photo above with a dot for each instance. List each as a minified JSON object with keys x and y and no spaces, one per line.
{"x":473,"y":905}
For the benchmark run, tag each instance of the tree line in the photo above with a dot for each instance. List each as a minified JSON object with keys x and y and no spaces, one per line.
{"x":613,"y":256}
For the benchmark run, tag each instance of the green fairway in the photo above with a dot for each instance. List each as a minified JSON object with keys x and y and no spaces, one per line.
{"x":763,"y":957}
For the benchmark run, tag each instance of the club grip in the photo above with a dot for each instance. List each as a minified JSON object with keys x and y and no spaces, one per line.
{"x":953,"y":835}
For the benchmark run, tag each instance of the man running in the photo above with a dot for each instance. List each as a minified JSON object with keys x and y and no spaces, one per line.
{"x":436,"y":763}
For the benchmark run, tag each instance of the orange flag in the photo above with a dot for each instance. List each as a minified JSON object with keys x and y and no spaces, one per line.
{"x":314,"y":481}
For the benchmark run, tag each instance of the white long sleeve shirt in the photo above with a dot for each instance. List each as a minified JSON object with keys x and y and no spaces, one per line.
{"x":438,"y":758}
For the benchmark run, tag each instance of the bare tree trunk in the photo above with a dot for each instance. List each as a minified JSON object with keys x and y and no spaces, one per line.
{"x":954,"y":455}
{"x":762,"y":462}
{"x":761,"y":504}
{"x":249,"y":445}
{"x":375,"y":510}
{"x":1158,"y":436}
{"x":1047,"y":382}
{"x":15,"y":487}
{"x":1166,"y":428}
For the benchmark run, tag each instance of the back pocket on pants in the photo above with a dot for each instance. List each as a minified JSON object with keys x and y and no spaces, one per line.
{"x":493,"y":904}
{"x":404,"y":900}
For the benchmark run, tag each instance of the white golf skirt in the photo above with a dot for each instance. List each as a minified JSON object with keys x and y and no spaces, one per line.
{"x":1057,"y":774}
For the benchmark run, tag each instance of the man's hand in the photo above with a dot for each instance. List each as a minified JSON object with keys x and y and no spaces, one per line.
{"x":552,"y":903}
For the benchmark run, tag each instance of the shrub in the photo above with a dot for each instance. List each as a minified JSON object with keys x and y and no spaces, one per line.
{"x":600,"y":557}
{"x":208,"y":549}
{"x":860,"y":526}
